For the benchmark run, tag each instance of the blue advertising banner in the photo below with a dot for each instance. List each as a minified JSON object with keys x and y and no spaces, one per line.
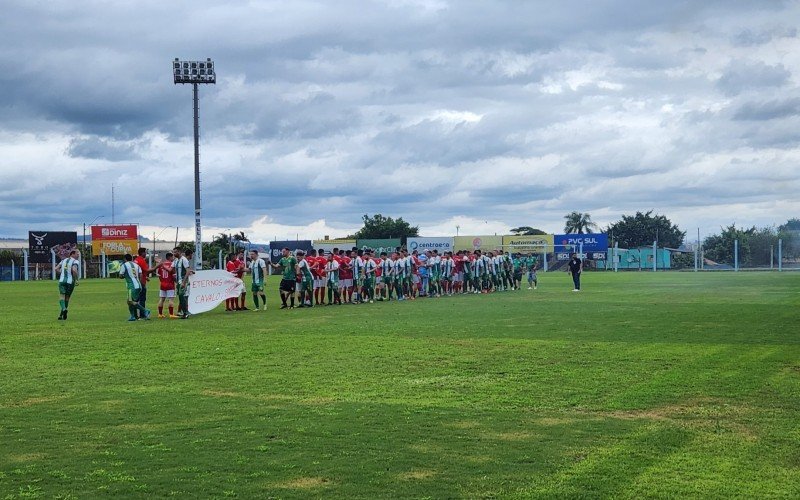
{"x":595,"y":245}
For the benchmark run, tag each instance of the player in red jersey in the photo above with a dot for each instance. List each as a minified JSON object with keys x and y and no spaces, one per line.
{"x":166,"y":275}
{"x":240,"y":269}
{"x":231,"y":267}
{"x":458,"y":277}
{"x":345,"y":276}
{"x":317,"y":263}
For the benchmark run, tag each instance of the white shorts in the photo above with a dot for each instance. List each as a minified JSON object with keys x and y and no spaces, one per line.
{"x":378,"y":280}
{"x":415,"y":278}
{"x":167,"y":294}
{"x":319,"y":283}
{"x":458,"y":277}
{"x":348,"y":283}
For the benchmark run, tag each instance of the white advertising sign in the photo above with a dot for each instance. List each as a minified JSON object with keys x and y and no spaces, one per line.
{"x":422,"y":244}
{"x":208,"y":289}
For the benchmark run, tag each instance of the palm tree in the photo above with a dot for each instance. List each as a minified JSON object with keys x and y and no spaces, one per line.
{"x":578,"y":223}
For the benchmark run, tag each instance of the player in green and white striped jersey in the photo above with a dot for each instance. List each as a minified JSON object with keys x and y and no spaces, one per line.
{"x":258,"y":268}
{"x":182,"y":272}
{"x":68,"y":271}
{"x":132,"y":274}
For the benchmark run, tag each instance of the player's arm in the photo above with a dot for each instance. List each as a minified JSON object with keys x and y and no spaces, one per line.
{"x":75,"y":274}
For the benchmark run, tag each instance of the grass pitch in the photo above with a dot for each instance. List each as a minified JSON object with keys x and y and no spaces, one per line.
{"x":642,"y":385}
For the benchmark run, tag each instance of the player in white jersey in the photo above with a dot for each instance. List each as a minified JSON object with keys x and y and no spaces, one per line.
{"x":387,"y":278}
{"x":357,"y":263}
{"x":68,"y":271}
{"x":132,"y":273}
{"x":258,"y":268}
{"x":182,"y":272}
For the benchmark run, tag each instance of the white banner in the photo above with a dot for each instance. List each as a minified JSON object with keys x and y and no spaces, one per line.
{"x":208,"y":289}
{"x":422,"y":244}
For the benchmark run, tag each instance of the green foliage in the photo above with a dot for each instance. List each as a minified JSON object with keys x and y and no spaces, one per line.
{"x":379,"y":227}
{"x":791,"y":225}
{"x":682,"y":260}
{"x":644,"y":385}
{"x":6,"y":256}
{"x":633,"y":231}
{"x":579,"y":223}
{"x":527,"y":231}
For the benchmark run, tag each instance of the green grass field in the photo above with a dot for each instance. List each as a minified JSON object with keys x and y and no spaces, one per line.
{"x":642,"y":385}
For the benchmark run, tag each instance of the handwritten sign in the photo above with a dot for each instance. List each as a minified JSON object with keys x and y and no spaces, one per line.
{"x":208,"y":289}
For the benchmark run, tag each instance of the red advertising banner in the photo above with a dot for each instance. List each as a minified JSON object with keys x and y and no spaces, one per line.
{"x":115,"y":239}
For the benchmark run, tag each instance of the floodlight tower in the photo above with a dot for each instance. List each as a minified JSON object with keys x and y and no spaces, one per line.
{"x":195,"y":72}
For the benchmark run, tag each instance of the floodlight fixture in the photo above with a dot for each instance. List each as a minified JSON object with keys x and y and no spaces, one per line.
{"x":195,"y":72}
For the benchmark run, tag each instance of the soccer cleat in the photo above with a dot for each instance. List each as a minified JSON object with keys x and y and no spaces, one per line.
{"x":65,"y":314}
{"x":147,"y":314}
{"x":61,"y":315}
{"x":160,"y":316}
{"x":284,"y":306}
{"x":132,"y":318}
{"x":530,"y":288}
{"x":172,"y":316}
{"x":265,"y":307}
{"x":255,"y":310}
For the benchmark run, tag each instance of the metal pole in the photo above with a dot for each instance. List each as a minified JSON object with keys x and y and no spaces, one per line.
{"x":655,"y":252}
{"x":616,"y":256}
{"x":735,"y":255}
{"x":198,"y":246}
{"x":53,"y":261}
{"x":544,"y":259}
{"x":219,"y":259}
{"x":25,"y":262}
{"x":12,"y":268}
{"x":103,"y":267}
{"x":780,"y":255}
{"x":696,"y":256}
{"x":771,"y":257}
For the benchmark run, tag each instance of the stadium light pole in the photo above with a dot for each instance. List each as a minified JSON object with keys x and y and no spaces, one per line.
{"x":195,"y":72}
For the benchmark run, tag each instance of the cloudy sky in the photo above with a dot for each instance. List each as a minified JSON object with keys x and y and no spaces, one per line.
{"x":483,"y":115}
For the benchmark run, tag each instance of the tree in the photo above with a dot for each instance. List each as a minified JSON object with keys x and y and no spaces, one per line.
{"x":527,"y":231}
{"x":643,"y":228}
{"x":578,"y":223}
{"x":378,"y":226}
{"x":719,"y":247}
{"x":6,"y":256}
{"x":791,"y":225}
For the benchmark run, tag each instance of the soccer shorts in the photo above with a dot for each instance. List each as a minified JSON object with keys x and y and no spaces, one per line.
{"x":133,"y":294}
{"x":319,"y":283}
{"x":458,"y":277}
{"x":66,"y":289}
{"x":415,"y":279}
{"x":166,"y":294}
{"x":287,"y":286}
{"x":346,"y":283}
{"x":379,"y":280}
{"x":333,"y":283}
{"x":257,"y":287}
{"x":306,"y":285}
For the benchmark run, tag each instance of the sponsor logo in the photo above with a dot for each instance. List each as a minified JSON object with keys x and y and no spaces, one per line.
{"x":39,"y":239}
{"x":110,"y":232}
{"x":477,"y":242}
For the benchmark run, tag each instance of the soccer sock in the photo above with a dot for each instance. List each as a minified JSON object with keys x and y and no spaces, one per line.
{"x":62,"y":303}
{"x":132,"y":309}
{"x":171,"y":311}
{"x":160,"y":310}
{"x":255,"y":299}
{"x":283,"y":298}
{"x":66,"y":303}
{"x":291,"y":300}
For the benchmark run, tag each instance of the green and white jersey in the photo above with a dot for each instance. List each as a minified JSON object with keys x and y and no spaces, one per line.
{"x":480,"y":265}
{"x":467,"y":264}
{"x":332,"y":270}
{"x":131,"y":271}
{"x":259,"y":269}
{"x":386,"y":268}
{"x":409,"y":264}
{"x":66,"y":270}
{"x":358,"y":267}
{"x":305,"y":270}
{"x":447,"y":267}
{"x":486,"y":262}
{"x":399,"y":268}
{"x":369,"y":268}
{"x":531,"y":262}
{"x":517,"y":264}
{"x":181,"y":268}
{"x":288,"y":264}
